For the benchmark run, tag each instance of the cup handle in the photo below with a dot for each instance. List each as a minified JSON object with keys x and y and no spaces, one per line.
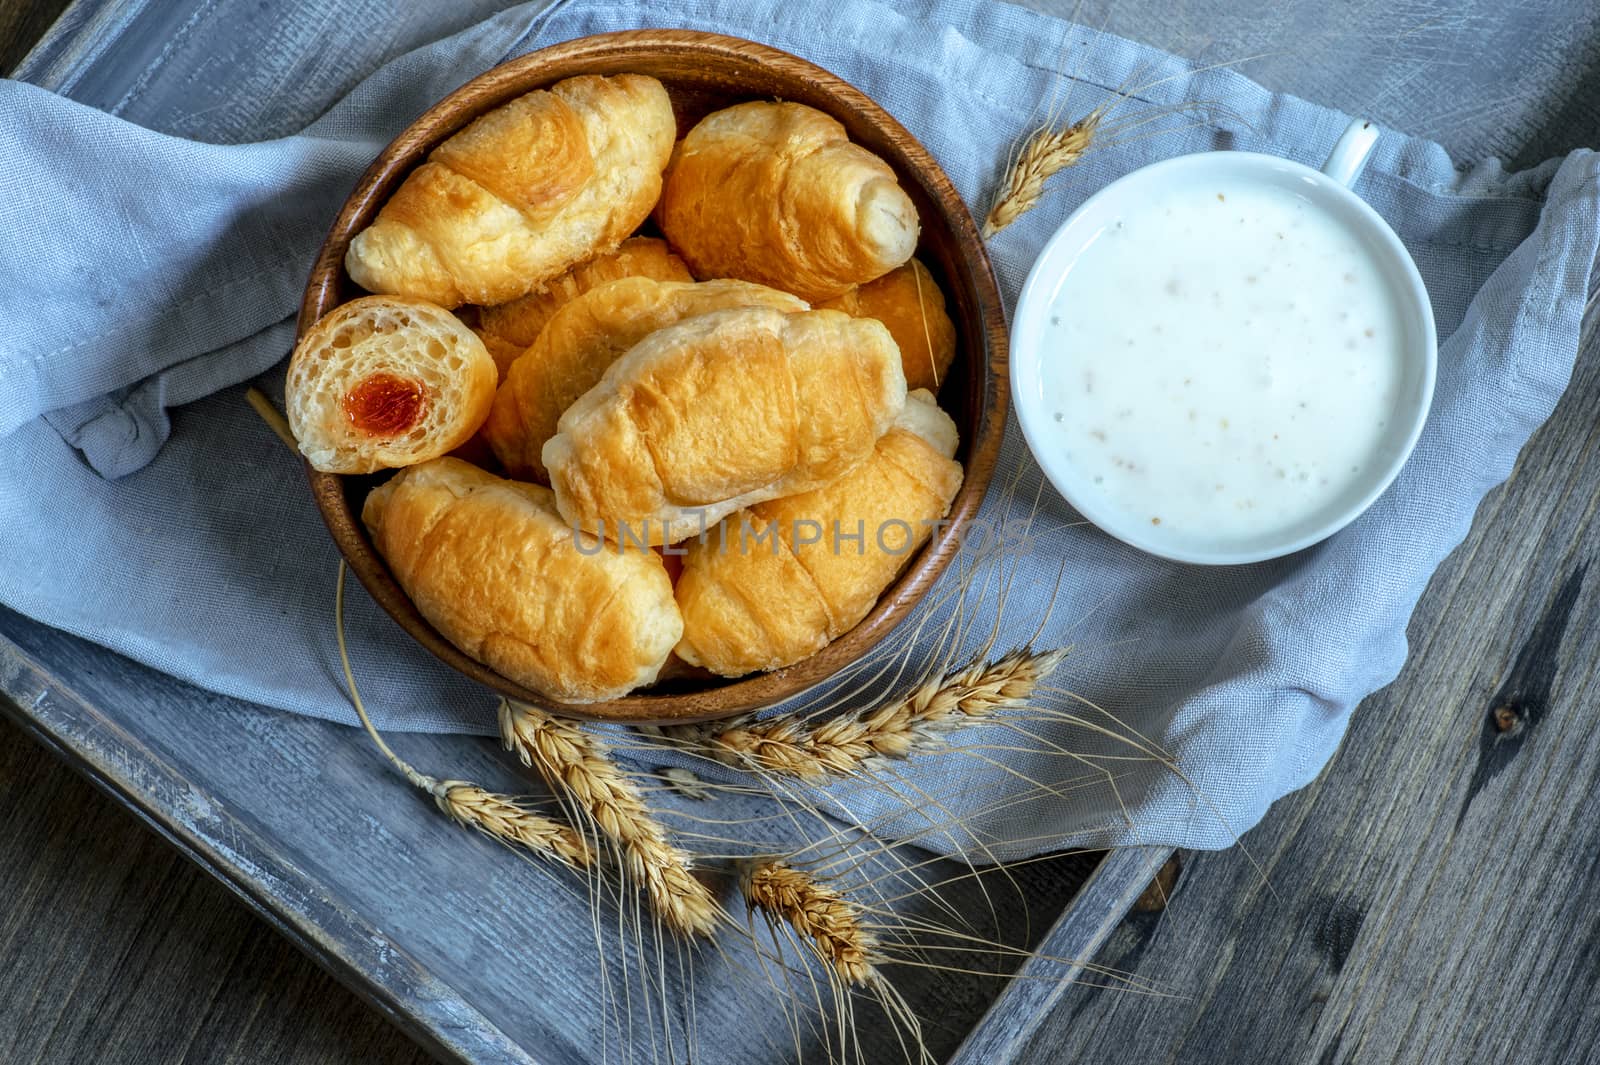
{"x":1349,"y":156}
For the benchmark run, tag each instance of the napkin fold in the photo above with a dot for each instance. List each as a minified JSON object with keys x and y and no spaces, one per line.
{"x":147,"y":270}
{"x":144,"y":507}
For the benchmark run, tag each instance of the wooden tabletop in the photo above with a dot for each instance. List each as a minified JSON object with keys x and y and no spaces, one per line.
{"x":115,"y":948}
{"x":1427,"y":899}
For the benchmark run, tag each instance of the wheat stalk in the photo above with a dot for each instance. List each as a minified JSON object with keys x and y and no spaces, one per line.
{"x":830,"y":924}
{"x":1050,"y":150}
{"x":575,"y":763}
{"x":275,"y":421}
{"x":505,"y":818}
{"x":847,"y":743}
{"x":501,"y":817}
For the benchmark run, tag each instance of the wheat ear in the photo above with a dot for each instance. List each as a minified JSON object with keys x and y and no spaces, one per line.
{"x":502,"y":817}
{"x":1050,"y":150}
{"x":577,"y":765}
{"x":847,"y":743}
{"x":831,"y":926}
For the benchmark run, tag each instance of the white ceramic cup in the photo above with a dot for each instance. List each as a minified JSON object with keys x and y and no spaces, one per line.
{"x":1328,"y":190}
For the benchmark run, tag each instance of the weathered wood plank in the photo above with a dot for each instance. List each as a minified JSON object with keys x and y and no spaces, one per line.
{"x":1517,"y":81}
{"x":491,"y":958}
{"x":21,"y":24}
{"x":1071,"y":946}
{"x":280,"y":782}
{"x":1545,"y":80}
{"x":1430,"y":898}
{"x":114,"y":948}
{"x":209,"y":827}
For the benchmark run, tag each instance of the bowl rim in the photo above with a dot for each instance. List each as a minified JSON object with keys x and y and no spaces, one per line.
{"x":910,"y":160}
{"x":1056,"y":259}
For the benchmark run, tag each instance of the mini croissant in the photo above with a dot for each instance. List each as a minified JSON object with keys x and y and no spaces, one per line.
{"x":908,"y":301}
{"x":381,"y":382}
{"x":721,"y":411}
{"x":507,"y":329}
{"x":492,"y":566}
{"x":586,"y":336}
{"x":778,"y":581}
{"x":524,"y":192}
{"x":776,"y":193}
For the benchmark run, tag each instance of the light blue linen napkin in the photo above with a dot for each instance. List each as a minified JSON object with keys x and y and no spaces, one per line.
{"x":144,"y":507}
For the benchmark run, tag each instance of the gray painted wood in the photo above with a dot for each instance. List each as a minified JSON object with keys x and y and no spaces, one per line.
{"x":1518,"y":81}
{"x":481,"y":956}
{"x":116,"y":949}
{"x":1079,"y":935}
{"x":217,"y":828}
{"x":1366,"y":863}
{"x":1430,"y":899}
{"x":229,"y":70}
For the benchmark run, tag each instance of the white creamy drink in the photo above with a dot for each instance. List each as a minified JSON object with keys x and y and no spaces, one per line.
{"x":1222,"y":365}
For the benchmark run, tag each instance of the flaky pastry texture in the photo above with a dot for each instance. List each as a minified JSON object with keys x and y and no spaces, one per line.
{"x":909,"y":302}
{"x":778,"y":581}
{"x":776,"y":193}
{"x":496,"y":570}
{"x":383,"y":381}
{"x":526,"y":191}
{"x":507,"y":329}
{"x":721,"y":411}
{"x":582,"y":340}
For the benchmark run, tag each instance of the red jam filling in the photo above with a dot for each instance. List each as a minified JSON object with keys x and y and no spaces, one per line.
{"x":385,"y":405}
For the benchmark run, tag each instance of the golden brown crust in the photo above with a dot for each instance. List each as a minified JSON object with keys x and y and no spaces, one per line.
{"x":516,"y":198}
{"x":776,"y":582}
{"x":385,"y":381}
{"x":776,"y":193}
{"x":908,"y":301}
{"x":721,"y":411}
{"x":492,"y":566}
{"x":508,"y":329}
{"x":747,"y":602}
{"x":585,"y":337}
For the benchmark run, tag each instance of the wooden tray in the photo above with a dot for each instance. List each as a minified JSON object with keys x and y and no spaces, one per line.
{"x":300,"y":817}
{"x":304,"y":821}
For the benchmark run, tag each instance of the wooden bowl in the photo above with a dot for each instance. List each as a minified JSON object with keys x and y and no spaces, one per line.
{"x":703,"y":72}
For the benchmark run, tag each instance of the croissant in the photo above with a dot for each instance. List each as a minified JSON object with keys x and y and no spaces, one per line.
{"x":524,"y":192}
{"x":779,"y":580}
{"x":721,"y":411}
{"x":776,"y":193}
{"x":383,"y":381}
{"x":492,"y":566}
{"x":908,"y":301}
{"x":588,"y":335}
{"x":508,"y":328}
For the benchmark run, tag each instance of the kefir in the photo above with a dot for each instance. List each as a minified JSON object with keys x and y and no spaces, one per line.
{"x":1221,"y":365}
